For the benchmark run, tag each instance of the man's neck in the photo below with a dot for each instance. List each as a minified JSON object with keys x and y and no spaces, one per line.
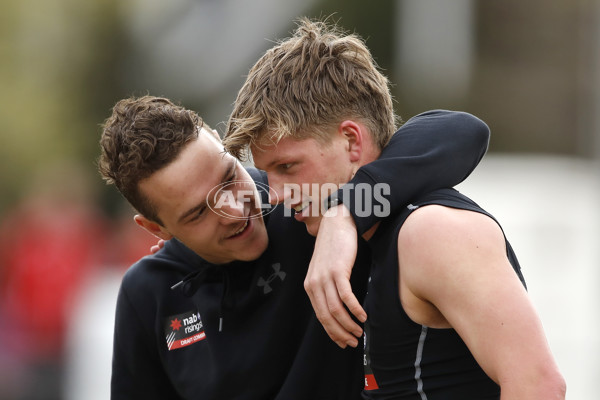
{"x":370,"y":154}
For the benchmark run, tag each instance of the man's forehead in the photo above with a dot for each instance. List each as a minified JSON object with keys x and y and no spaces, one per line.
{"x":208,"y":146}
{"x":212,"y":134}
{"x":285,"y":148}
{"x":200,"y":166}
{"x":264,"y":155}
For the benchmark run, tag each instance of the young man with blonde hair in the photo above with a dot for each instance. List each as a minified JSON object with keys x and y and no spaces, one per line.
{"x":447,"y":313}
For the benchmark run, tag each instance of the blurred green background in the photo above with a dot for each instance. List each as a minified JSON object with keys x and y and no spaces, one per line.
{"x":529,"y":69}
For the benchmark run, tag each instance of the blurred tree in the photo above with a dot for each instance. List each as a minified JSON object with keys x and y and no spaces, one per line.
{"x":530,"y":58}
{"x":65,"y":63}
{"x":374,"y":22}
{"x":58,"y":78}
{"x":534,"y":76}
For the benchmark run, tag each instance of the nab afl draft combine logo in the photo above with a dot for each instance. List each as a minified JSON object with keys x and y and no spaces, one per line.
{"x":233,"y":194}
{"x":182,"y":330}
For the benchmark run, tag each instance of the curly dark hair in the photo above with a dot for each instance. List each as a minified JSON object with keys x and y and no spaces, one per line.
{"x":142,"y":136}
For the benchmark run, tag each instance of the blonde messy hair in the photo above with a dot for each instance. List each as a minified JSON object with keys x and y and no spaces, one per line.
{"x":306,"y":85}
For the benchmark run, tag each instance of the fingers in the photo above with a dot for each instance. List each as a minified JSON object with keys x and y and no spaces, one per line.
{"x":157,"y":246}
{"x":327,"y":280}
{"x":349,"y":299}
{"x":338,"y":311}
{"x":333,"y":328}
{"x":333,"y":315}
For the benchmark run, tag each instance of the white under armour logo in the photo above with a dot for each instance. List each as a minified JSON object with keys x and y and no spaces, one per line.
{"x":264,"y":283}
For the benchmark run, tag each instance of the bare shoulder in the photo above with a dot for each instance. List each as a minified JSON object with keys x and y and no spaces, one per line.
{"x":443,"y":254}
{"x":438,"y":230}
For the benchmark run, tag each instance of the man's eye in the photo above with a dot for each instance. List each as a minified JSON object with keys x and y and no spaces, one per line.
{"x":197,"y":215}
{"x":286,"y":166}
{"x":232,"y":178}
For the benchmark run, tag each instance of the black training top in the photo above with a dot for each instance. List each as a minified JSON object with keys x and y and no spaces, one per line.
{"x":406,"y":360}
{"x":246,"y":330}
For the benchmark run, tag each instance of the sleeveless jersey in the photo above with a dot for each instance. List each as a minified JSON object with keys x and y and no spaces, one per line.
{"x":405,"y":360}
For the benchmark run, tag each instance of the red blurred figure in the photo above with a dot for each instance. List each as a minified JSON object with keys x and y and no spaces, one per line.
{"x":48,"y":245}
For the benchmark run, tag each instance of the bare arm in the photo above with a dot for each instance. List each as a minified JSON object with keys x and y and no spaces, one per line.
{"x":454,"y":272}
{"x":329,"y":288}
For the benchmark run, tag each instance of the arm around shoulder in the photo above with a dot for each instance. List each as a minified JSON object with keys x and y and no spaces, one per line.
{"x":433,"y":150}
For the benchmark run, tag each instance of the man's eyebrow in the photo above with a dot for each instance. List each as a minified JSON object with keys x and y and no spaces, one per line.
{"x":191,"y":211}
{"x":230,"y":170}
{"x":228,"y":173}
{"x":276,"y":161}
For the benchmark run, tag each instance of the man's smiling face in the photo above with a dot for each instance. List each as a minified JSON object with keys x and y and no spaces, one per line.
{"x":207,"y":200}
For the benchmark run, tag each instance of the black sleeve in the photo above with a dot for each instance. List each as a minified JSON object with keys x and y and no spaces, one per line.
{"x":136,"y":368}
{"x":432,"y":150}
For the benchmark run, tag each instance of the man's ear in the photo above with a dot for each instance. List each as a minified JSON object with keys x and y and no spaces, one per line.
{"x":354,"y":133}
{"x":152,"y":227}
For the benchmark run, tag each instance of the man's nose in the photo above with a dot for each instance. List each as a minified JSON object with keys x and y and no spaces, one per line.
{"x":275,"y":190}
{"x":231,"y":206}
{"x":274,"y":196}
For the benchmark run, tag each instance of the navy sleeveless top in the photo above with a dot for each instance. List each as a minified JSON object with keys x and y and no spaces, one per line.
{"x":405,"y":360}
